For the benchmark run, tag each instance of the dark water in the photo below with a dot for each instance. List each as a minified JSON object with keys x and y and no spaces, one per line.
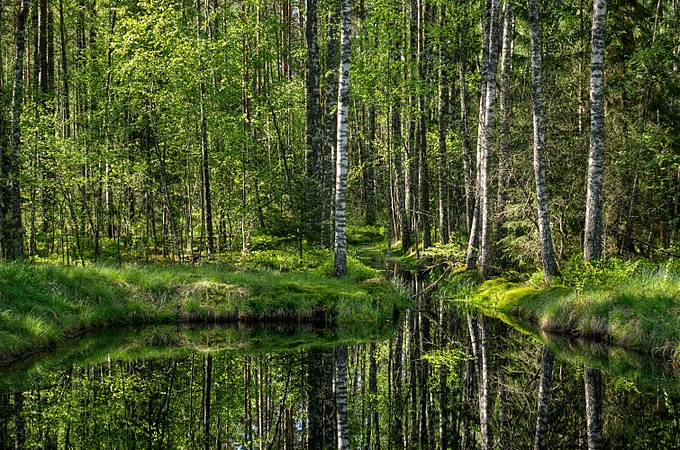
{"x":416,"y":385}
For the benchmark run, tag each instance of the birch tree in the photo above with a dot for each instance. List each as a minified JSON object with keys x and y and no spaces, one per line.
{"x":547,"y":252}
{"x":340,"y":257}
{"x":592,"y":245}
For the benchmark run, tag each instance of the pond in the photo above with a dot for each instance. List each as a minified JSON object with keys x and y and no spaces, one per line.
{"x":416,"y":384}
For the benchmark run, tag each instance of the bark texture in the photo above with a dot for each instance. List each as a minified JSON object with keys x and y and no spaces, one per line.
{"x":340,"y":256}
{"x":593,"y":388}
{"x":545,"y":236}
{"x":13,"y":236}
{"x":313,"y":134}
{"x":543,"y":390}
{"x":592,"y":245}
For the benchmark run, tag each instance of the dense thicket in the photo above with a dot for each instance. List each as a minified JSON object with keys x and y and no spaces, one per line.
{"x":177,"y":128}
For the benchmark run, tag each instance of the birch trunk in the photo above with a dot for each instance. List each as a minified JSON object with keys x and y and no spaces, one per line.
{"x":340,"y":257}
{"x":593,"y":388}
{"x":592,"y":245}
{"x":504,"y":119}
{"x":341,"y":382}
{"x":485,"y":151}
{"x":547,"y":251}
{"x":543,"y":390}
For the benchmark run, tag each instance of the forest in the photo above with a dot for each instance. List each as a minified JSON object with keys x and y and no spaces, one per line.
{"x":367,"y":224}
{"x":175,"y":130}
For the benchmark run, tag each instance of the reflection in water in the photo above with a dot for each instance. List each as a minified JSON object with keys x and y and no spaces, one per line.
{"x":421,"y":389}
{"x":593,"y":384}
{"x":547,"y":359}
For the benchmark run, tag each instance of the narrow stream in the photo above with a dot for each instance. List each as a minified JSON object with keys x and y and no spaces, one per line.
{"x":416,"y":386}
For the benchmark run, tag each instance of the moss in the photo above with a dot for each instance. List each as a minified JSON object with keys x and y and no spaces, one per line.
{"x":639,"y":310}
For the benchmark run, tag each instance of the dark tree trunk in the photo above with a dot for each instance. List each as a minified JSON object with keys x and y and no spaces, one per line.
{"x":313,"y":134}
{"x":330,"y":121}
{"x":543,"y":391}
{"x":13,"y":245}
{"x":443,"y":101}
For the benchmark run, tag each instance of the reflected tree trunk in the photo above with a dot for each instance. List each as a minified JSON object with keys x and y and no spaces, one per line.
{"x":543,"y":391}
{"x":593,"y":389}
{"x":315,"y":399}
{"x":396,"y":426}
{"x":341,"y":397}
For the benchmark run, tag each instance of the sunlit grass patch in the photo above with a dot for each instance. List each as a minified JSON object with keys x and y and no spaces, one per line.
{"x":629,"y":304}
{"x":43,"y":304}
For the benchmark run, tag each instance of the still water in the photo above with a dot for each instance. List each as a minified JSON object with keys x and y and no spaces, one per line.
{"x":443,"y":380}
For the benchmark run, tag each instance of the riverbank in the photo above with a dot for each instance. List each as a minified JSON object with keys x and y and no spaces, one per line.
{"x":630,"y":304}
{"x":44,"y":304}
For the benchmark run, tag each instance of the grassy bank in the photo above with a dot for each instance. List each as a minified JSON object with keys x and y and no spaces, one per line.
{"x":631,"y":304}
{"x":43,"y":304}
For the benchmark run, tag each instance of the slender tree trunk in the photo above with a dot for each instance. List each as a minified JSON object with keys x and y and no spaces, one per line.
{"x":504,"y":119}
{"x":443,"y":108}
{"x":340,"y":257}
{"x":315,"y":399}
{"x":593,"y":388}
{"x":207,"y":384}
{"x":485,"y":409}
{"x":465,"y":149}
{"x":486,"y":141}
{"x":13,"y":245}
{"x":421,"y":133}
{"x":543,"y":391}
{"x":205,"y":160}
{"x":341,"y":386}
{"x":313,"y":134}
{"x":330,"y":120}
{"x":369,"y":170}
{"x":545,"y":236}
{"x":592,"y":245}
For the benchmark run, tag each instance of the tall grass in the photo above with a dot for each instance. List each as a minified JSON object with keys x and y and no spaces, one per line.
{"x":44,"y":304}
{"x":633,"y":304}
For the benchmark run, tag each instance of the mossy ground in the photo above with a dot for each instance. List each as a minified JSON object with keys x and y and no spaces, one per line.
{"x":42,"y":304}
{"x":635,"y":305}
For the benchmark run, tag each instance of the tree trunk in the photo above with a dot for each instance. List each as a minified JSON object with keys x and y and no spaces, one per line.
{"x":592,"y":244}
{"x":443,"y":108}
{"x":330,"y":121}
{"x":341,"y":380}
{"x":545,"y":236}
{"x":205,"y":162}
{"x":543,"y":391}
{"x":505,"y":116}
{"x":313,"y":133}
{"x":13,"y":245}
{"x":340,"y":257}
{"x":485,"y":151}
{"x":593,"y":388}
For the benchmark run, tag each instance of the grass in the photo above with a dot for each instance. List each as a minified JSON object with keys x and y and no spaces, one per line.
{"x":41,"y":304}
{"x":631,"y":304}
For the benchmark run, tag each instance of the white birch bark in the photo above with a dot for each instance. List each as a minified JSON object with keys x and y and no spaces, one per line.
{"x":340,"y":257}
{"x":545,"y":236}
{"x":341,"y":389}
{"x":592,"y":245}
{"x":485,"y":152}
